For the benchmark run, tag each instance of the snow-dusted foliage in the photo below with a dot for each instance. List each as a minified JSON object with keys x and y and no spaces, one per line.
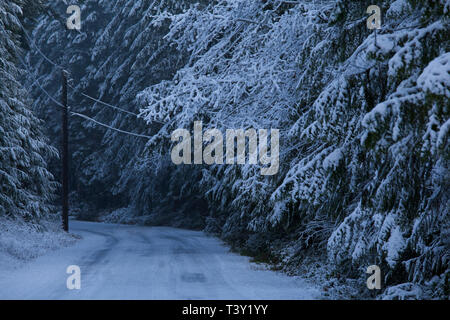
{"x":115,"y":55}
{"x":25,"y":184}
{"x":21,"y":241}
{"x":364,"y":120}
{"x":244,"y":71}
{"x":363,"y":116}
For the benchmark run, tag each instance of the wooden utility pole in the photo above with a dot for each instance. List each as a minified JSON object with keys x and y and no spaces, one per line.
{"x":65,"y":155}
{"x":376,"y":38}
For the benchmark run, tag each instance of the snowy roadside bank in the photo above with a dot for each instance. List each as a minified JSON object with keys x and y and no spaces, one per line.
{"x":21,"y":242}
{"x":317,"y":271}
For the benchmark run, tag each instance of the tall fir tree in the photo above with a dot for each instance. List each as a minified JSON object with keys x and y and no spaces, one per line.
{"x":26,"y":186}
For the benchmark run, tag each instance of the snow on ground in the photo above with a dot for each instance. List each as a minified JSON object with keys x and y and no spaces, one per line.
{"x":132,"y":262}
{"x":20,"y":242}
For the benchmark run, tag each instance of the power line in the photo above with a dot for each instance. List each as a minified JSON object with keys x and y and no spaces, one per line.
{"x":109,"y":127}
{"x":104,"y":103}
{"x":39,"y":50}
{"x":89,"y":118}
{"x":83,"y":94}
{"x":50,"y":97}
{"x":82,"y":115}
{"x":111,"y":106}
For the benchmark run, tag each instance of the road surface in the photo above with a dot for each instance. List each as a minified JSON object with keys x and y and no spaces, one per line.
{"x":130,"y":262}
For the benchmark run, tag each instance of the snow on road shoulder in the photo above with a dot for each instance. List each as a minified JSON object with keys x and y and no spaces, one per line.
{"x":21,"y":242}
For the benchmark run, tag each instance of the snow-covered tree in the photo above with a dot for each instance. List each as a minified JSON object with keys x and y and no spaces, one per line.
{"x":26,"y":187}
{"x":364,"y":115}
{"x":115,"y":55}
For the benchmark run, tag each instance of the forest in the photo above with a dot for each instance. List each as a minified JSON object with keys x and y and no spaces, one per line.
{"x":362,"y":116}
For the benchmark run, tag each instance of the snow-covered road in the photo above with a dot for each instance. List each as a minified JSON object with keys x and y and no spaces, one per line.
{"x":130,"y":262}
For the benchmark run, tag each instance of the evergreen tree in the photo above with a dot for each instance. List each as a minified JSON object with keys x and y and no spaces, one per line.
{"x":364,"y":121}
{"x":366,"y":153}
{"x":26,"y":187}
{"x":116,"y":54}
